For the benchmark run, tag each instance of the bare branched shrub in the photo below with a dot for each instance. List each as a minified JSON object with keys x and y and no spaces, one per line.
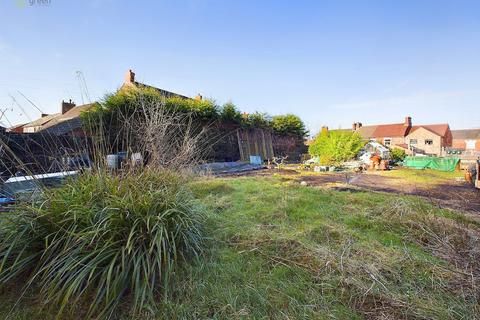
{"x":165,"y":136}
{"x":170,"y":138}
{"x":398,"y":207}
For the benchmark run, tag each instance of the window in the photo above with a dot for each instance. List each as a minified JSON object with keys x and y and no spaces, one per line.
{"x":387,"y":142}
{"x":413,"y":141}
{"x":429,"y":142}
{"x":470,"y":144}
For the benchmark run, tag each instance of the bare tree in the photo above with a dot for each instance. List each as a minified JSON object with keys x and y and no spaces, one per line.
{"x":165,"y":137}
{"x":169,"y":137}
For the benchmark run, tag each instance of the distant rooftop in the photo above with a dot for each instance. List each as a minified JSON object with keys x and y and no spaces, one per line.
{"x":466,"y":134}
{"x":397,"y":129}
{"x":129,"y":81}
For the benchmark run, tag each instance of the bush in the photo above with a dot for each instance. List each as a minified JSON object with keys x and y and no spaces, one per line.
{"x":202,"y":109}
{"x":116,"y":109}
{"x":102,"y":238}
{"x":229,"y":112}
{"x":257,"y":120}
{"x":335,"y":147}
{"x":119,"y":108}
{"x":397,"y":155}
{"x":289,"y":125}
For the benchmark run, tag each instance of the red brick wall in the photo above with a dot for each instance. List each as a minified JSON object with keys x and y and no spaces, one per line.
{"x":459,"y":144}
{"x":422,"y":134}
{"x":448,"y":139}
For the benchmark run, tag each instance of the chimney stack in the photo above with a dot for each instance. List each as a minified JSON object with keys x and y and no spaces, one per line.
{"x":356,"y":126}
{"x":67,"y":106}
{"x":199,"y":97}
{"x":129,"y":76}
{"x":408,"y":122}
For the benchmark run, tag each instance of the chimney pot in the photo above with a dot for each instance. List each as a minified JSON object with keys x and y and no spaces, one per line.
{"x":408,"y":121}
{"x":67,"y":106}
{"x":130,"y":76}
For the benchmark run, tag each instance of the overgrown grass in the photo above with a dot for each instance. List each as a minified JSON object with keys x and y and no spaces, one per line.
{"x":278,"y":250}
{"x":281,"y":250}
{"x":102,"y":240}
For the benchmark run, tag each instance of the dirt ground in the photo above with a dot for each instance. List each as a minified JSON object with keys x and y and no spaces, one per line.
{"x":452,"y":194}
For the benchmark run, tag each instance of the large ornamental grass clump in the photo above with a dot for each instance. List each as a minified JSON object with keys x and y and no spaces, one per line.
{"x":103,"y":240}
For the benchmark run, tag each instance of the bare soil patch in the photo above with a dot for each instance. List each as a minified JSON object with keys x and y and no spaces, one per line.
{"x":457,"y":195}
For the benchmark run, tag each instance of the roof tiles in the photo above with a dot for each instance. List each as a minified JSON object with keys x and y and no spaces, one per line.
{"x":466,"y":134}
{"x":391,"y":130}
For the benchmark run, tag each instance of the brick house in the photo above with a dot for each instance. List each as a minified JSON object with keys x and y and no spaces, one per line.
{"x":389,"y":135}
{"x":467,"y":139}
{"x":429,"y":139}
{"x":66,"y":122}
{"x":423,"y":139}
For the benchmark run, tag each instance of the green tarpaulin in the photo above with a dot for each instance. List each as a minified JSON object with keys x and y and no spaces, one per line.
{"x":441,"y":164}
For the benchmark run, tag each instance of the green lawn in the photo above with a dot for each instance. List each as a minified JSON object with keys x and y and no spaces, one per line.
{"x":278,"y":250}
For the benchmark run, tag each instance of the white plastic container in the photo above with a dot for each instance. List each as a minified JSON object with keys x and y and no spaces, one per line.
{"x":112,"y":161}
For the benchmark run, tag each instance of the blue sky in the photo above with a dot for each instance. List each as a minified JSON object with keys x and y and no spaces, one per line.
{"x":330,"y":62}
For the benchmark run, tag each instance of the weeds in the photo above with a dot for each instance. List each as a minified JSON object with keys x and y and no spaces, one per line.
{"x":352,"y":254}
{"x":102,"y":238}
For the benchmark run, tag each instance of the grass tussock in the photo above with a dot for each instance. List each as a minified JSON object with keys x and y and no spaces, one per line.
{"x":102,"y":241}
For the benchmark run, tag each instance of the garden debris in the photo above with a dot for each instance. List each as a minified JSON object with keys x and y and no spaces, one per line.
{"x":383,"y":165}
{"x":6,"y":203}
{"x":256,"y":159}
{"x":375,"y":161}
{"x":470,"y":174}
{"x":374,"y":147}
{"x":22,"y":184}
{"x":219,"y":168}
{"x":323,"y":168}
{"x":355,"y":165}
